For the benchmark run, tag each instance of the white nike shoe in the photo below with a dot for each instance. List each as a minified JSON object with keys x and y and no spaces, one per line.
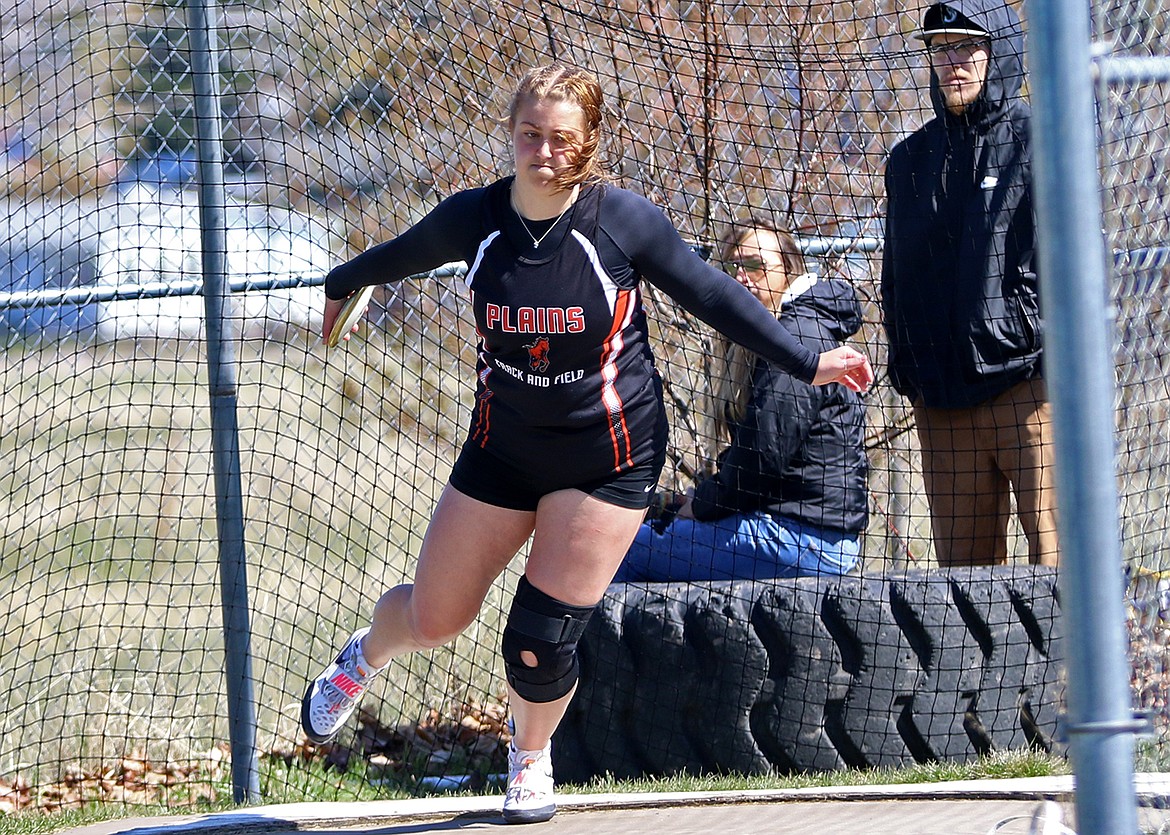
{"x":333,"y":695}
{"x":530,"y":786}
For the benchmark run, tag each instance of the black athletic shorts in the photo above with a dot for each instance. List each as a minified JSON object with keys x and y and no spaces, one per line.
{"x":490,"y":479}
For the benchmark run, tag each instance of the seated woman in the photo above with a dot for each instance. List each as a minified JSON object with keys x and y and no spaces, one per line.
{"x":789,"y":497}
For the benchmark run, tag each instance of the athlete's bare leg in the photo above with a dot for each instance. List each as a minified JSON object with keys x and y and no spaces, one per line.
{"x":578,"y":545}
{"x":467,"y":545}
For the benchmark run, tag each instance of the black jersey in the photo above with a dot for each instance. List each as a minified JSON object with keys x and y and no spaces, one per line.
{"x":565,"y":373}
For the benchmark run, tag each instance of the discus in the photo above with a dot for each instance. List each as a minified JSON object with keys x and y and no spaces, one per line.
{"x":351,"y":313}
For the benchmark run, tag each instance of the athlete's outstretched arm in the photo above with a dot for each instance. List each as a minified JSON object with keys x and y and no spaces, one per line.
{"x":437,"y":239}
{"x":647,"y":237}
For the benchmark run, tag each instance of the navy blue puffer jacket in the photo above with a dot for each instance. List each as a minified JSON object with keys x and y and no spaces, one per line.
{"x":799,"y":451}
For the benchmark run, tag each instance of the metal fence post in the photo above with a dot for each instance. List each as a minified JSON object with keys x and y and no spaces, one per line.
{"x":1079,"y":368}
{"x":224,"y":425}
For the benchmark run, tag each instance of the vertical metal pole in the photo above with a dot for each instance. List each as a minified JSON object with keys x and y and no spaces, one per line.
{"x":224,"y":426}
{"x":1078,"y":361}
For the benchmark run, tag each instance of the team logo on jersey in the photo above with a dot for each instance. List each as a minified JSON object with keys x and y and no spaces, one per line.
{"x":538,"y":354}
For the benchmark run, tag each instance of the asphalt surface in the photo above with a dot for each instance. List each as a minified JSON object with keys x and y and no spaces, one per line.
{"x":1036,"y":806}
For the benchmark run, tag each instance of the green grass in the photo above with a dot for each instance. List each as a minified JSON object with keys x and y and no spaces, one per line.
{"x":38,"y":823}
{"x":292,"y":785}
{"x":997,"y":766}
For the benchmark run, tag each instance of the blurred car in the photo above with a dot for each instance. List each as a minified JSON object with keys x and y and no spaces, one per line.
{"x":28,"y":269}
{"x":149,"y":248}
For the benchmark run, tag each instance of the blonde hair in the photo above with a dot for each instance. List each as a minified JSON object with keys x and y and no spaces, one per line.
{"x":563,"y":82}
{"x":733,"y":366}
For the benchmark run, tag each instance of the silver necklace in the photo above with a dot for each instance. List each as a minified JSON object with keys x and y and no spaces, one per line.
{"x":536,"y":242}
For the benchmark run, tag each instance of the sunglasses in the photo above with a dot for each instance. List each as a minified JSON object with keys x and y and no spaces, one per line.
{"x":748,"y":265}
{"x":958,"y":50}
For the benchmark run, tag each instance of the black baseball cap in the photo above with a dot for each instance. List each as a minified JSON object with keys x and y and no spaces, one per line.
{"x":941,"y":19}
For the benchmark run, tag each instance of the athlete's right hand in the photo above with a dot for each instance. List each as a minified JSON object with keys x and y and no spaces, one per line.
{"x":332,"y":310}
{"x":846,"y":366}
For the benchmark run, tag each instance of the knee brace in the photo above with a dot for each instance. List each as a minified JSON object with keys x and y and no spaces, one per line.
{"x":550,"y":630}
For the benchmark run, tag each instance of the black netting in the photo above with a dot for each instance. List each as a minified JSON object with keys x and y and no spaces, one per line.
{"x":341,"y":126}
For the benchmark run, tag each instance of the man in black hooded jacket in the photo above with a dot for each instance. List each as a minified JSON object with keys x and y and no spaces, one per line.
{"x":959,"y":292}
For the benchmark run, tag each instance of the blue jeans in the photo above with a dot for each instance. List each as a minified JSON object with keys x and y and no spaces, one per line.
{"x":749,"y":546}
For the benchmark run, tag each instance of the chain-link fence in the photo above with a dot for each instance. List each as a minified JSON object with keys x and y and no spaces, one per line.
{"x":1133,"y":141}
{"x":344,"y":124}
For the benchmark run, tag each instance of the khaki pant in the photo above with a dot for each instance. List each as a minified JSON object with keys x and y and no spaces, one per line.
{"x":971,"y":461}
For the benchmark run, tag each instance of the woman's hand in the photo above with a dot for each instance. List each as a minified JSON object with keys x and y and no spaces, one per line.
{"x":846,"y":366}
{"x":332,"y":310}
